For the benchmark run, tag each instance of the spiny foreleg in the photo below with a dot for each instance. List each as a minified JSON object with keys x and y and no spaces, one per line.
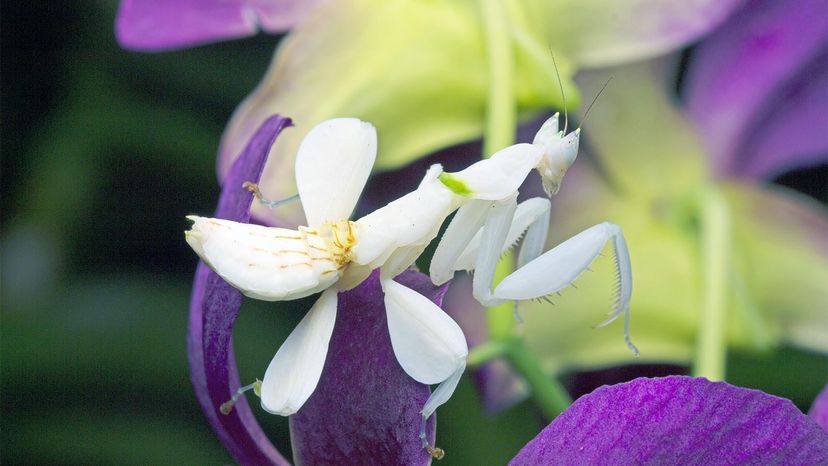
{"x":559,"y":267}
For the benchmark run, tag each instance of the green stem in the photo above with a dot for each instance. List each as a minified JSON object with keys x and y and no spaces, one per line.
{"x":501,"y":114}
{"x":488,"y":351}
{"x":547,"y":393}
{"x":550,"y":396}
{"x":500,"y":319}
{"x":711,"y":348}
{"x":501,"y":121}
{"x":501,"y":118}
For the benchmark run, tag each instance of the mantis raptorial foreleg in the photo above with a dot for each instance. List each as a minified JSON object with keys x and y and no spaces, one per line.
{"x":492,"y":239}
{"x":458,"y":237}
{"x":560,"y":266}
{"x":531,"y":217}
{"x":464,"y":234}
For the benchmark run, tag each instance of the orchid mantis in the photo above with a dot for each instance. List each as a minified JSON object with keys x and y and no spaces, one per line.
{"x":334,"y":254}
{"x":492,"y":223}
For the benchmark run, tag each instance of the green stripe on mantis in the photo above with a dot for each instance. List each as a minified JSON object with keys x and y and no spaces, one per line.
{"x":456,"y":185}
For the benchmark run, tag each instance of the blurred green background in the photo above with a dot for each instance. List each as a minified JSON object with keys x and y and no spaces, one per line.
{"x":104,"y":152}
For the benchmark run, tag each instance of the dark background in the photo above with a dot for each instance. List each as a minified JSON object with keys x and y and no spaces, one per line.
{"x":103,"y":153}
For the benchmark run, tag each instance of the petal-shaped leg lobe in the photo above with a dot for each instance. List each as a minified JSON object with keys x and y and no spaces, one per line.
{"x":294,"y":371}
{"x":264,"y":263}
{"x":428,"y":344}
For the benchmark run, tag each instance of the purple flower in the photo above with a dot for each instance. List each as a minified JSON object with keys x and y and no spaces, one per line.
{"x":678,"y":420}
{"x":214,"y":306}
{"x":758,"y":89}
{"x":156,"y":25}
{"x":819,"y":410}
{"x":353,"y":415}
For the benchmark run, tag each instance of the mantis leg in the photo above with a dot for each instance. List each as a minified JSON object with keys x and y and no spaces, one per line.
{"x":492,"y":240}
{"x":560,"y":266}
{"x":428,"y":344}
{"x":536,"y":218}
{"x":531,"y":217}
{"x":464,"y":233}
{"x":269,"y":203}
{"x":460,"y":232}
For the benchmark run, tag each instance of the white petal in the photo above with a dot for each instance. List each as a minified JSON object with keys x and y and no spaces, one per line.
{"x":428,"y":344}
{"x":497,"y":177}
{"x":332,"y":166}
{"x":294,"y":372}
{"x":266,"y":263}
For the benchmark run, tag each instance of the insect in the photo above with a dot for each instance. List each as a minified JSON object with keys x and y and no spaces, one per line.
{"x":333,"y":254}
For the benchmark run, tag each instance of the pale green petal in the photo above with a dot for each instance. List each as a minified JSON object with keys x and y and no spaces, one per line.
{"x":414,"y":69}
{"x":646,"y":145}
{"x":781,"y":236}
{"x":603,"y":33}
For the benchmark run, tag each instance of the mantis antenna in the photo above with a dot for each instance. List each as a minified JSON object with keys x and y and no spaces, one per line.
{"x":586,"y":113}
{"x":563,"y":95}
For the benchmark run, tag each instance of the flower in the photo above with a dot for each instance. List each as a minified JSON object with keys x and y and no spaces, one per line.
{"x":819,"y":410}
{"x":678,"y":420}
{"x":435,"y":85}
{"x":156,"y":25}
{"x":360,"y":348}
{"x":756,"y":89}
{"x":214,"y":306}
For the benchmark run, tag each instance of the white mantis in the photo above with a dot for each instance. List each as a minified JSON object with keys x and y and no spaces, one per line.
{"x":334,"y":254}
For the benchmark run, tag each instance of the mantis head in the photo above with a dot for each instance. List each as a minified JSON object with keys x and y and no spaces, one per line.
{"x":560,"y":151}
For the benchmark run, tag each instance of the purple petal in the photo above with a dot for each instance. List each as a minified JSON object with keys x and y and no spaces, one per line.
{"x":819,"y":410}
{"x":678,"y":420}
{"x":214,"y":306}
{"x":366,"y":409}
{"x":752,"y":75}
{"x":795,"y":134}
{"x":155,"y":25}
